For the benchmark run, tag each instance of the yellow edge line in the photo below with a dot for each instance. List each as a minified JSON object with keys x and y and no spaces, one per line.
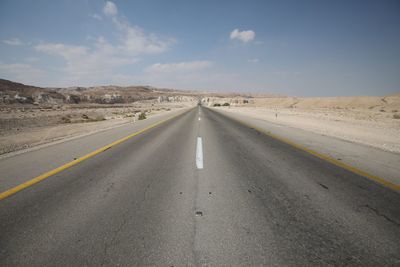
{"x":324,"y":157}
{"x":46,"y":175}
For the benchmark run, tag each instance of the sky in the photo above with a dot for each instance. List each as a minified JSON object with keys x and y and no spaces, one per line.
{"x":297,"y":48}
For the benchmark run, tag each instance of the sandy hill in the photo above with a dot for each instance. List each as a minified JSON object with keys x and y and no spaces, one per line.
{"x":359,"y":102}
{"x":389,"y":103}
{"x":12,"y":92}
{"x":18,"y":93}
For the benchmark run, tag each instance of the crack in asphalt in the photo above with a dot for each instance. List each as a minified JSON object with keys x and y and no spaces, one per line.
{"x":107,"y":245}
{"x":378,"y":213}
{"x":324,"y":186}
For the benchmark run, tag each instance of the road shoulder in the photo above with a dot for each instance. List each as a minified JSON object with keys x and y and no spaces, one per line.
{"x":22,"y":167}
{"x":373,"y":161}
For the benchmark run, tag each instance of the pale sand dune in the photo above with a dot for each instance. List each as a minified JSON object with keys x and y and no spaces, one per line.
{"x":373,"y":121}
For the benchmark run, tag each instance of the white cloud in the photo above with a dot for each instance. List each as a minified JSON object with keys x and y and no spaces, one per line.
{"x":31,"y":59}
{"x":253,"y":60}
{"x":20,"y":72}
{"x":204,"y":79}
{"x":98,"y":61}
{"x":135,"y":41}
{"x":96,"y":16}
{"x":66,"y":51}
{"x":88,"y":63}
{"x":13,"y":41}
{"x":110,"y":9}
{"x":179,"y":75}
{"x":188,"y":66}
{"x":244,"y":36}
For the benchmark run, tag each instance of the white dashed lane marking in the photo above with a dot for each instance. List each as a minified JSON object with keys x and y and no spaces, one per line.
{"x":199,"y":153}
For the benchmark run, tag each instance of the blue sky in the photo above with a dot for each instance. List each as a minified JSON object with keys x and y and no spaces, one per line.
{"x":299,"y":48}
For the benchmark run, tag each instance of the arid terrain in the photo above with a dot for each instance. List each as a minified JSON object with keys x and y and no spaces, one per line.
{"x":373,"y":121}
{"x":201,"y":170}
{"x":31,"y":116}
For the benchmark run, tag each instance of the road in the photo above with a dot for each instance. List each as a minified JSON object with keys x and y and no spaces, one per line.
{"x":253,"y":200}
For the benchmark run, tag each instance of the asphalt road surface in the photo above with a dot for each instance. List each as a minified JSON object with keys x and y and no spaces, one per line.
{"x":202,"y":192}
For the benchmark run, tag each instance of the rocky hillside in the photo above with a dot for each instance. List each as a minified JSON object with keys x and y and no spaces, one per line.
{"x":12,"y":92}
{"x":18,"y":93}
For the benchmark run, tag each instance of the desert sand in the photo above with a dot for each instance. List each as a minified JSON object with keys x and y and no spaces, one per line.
{"x":372,"y":121}
{"x":31,"y":116}
{"x":25,"y":126}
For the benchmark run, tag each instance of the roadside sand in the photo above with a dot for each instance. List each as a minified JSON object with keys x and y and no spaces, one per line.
{"x":363,"y":120}
{"x":23,"y":128}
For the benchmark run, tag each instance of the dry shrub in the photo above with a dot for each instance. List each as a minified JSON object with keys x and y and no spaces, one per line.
{"x":65,"y":119}
{"x":142,"y":116}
